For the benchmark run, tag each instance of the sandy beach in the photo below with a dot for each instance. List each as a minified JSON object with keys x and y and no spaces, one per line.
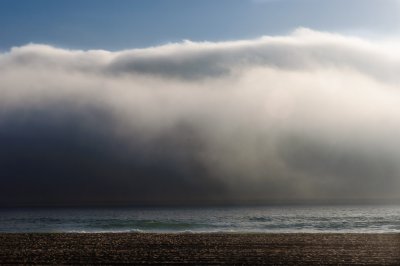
{"x":149,"y":248}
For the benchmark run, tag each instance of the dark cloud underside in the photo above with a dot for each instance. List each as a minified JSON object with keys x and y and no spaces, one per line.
{"x":308,"y":117}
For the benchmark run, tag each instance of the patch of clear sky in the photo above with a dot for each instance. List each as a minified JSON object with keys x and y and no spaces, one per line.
{"x":122,"y":24}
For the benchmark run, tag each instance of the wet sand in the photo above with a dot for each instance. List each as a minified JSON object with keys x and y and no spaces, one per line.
{"x":274,"y":249}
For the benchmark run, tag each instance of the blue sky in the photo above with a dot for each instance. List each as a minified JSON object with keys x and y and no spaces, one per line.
{"x":113,"y":25}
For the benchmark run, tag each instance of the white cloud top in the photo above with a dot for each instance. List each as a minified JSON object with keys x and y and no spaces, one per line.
{"x":310,"y":116}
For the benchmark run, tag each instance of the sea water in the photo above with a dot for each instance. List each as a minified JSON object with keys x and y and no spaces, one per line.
{"x":282,"y":219}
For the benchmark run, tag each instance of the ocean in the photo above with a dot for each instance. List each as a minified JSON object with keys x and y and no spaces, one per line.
{"x":287,"y":219}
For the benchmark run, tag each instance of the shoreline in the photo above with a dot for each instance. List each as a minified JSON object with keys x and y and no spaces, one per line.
{"x":200,"y":248}
{"x":197,"y":233}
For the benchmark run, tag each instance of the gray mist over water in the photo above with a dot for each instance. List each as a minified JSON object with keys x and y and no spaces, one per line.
{"x":310,"y":117}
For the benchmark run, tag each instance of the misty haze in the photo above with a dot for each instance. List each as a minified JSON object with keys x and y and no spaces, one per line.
{"x":311,"y":116}
{"x":200,"y":132}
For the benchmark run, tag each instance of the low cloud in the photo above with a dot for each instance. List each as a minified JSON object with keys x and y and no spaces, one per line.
{"x":311,"y":116}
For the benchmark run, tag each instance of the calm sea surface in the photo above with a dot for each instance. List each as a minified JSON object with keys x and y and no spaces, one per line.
{"x":358,"y":219}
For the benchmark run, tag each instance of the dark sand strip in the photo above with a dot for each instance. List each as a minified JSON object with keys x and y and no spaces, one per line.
{"x":276,"y":249}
